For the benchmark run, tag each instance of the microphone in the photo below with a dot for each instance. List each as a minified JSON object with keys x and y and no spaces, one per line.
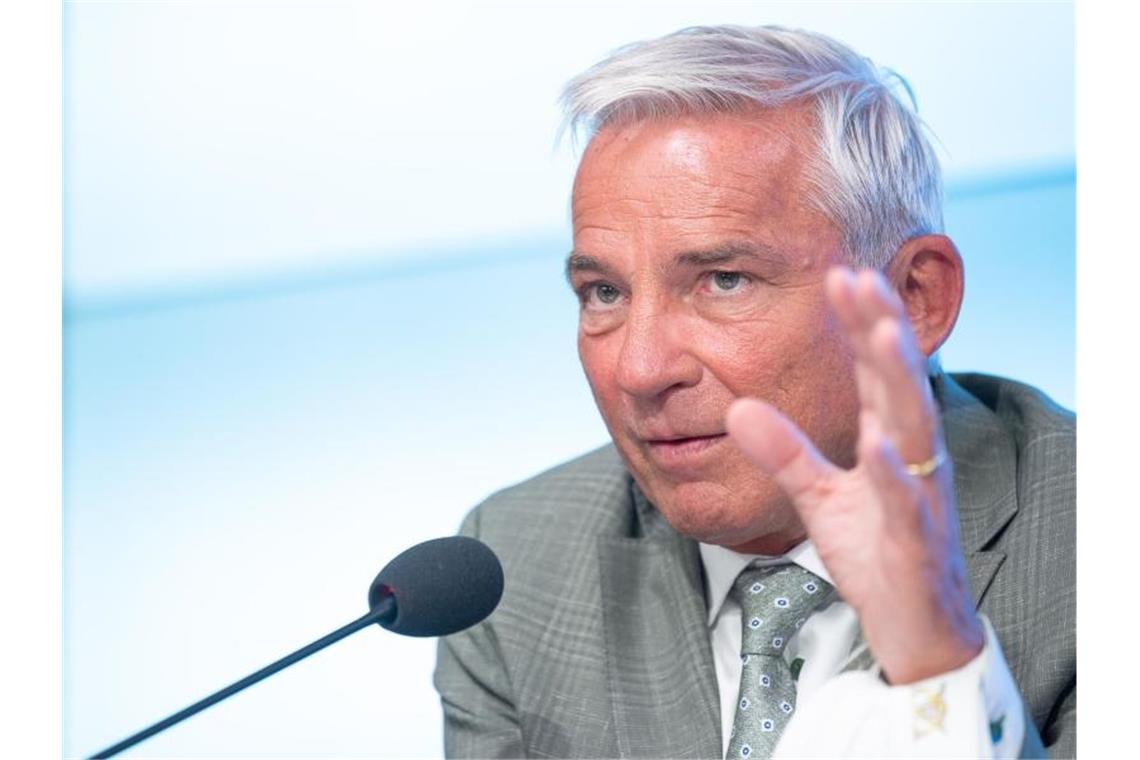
{"x":434,"y":588}
{"x":441,"y":586}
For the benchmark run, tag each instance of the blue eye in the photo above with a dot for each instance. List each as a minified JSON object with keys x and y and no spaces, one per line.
{"x":598,"y":296}
{"x":607,"y":294}
{"x":727,"y":280}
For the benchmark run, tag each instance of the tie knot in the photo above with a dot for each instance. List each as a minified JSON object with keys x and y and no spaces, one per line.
{"x":775,"y":601}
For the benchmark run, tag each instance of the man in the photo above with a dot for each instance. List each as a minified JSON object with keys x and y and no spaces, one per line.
{"x":799,"y":542}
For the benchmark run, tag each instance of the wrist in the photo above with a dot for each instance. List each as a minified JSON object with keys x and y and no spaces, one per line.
{"x":936,"y":652}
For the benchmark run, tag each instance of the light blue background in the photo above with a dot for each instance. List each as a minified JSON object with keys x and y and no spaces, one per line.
{"x":310,"y":322}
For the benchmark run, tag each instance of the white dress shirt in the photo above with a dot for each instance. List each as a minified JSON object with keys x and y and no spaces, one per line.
{"x":974,"y":711}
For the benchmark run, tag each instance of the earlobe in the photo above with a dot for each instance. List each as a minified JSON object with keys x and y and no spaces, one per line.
{"x":929,"y":276}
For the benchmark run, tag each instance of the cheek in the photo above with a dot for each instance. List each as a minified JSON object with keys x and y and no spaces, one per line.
{"x":806,"y":372}
{"x":819,"y":393}
{"x":599,"y":363}
{"x":747,"y":358}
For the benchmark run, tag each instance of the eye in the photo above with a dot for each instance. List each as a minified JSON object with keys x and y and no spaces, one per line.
{"x":598,"y":295}
{"x":606,"y":293}
{"x":727,"y":282}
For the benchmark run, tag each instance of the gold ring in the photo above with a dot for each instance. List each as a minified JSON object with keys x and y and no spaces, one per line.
{"x":922,"y":469}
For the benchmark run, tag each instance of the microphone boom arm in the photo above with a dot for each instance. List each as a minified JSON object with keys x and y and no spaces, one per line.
{"x":380,"y":613}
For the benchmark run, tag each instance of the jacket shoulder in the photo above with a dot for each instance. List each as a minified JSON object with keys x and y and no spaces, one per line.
{"x":1027,"y":412}
{"x":1044,"y":440}
{"x":1045,"y":437}
{"x":574,"y":501}
{"x":500,"y":697}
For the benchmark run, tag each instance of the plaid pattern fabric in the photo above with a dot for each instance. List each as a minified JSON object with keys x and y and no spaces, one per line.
{"x":600,"y":646}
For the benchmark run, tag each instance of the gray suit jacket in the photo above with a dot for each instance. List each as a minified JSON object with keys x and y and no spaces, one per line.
{"x":600,"y":646}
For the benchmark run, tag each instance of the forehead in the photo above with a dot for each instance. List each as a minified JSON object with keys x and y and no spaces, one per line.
{"x":753,"y":145}
{"x":682,"y":182}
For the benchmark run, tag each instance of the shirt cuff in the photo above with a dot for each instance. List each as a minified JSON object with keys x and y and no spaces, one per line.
{"x":974,"y":711}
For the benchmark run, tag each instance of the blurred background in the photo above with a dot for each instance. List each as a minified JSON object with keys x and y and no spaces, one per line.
{"x":314,"y":312}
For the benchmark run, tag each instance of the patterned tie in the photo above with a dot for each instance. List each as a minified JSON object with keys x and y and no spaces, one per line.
{"x":774,"y":601}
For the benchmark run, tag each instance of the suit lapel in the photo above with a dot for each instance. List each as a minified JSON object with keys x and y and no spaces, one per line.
{"x":985,"y":465}
{"x":985,"y":478}
{"x":658,"y":658}
{"x":985,"y":487}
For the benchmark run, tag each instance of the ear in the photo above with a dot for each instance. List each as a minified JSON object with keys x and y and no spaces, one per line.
{"x":928,"y":274}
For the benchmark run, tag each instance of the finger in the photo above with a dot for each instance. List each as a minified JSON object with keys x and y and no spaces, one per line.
{"x":861,"y":299}
{"x":901,"y":496}
{"x":909,"y":419}
{"x":876,"y":299}
{"x":781,"y":450}
{"x":890,"y":367}
{"x":840,"y":289}
{"x":841,"y":295}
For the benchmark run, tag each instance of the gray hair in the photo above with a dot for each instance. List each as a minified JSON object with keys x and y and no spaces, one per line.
{"x":873,"y":173}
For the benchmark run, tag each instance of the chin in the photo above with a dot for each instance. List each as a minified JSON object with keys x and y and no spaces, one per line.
{"x":716,"y":513}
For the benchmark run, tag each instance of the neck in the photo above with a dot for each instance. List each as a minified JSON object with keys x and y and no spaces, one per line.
{"x":772,"y":544}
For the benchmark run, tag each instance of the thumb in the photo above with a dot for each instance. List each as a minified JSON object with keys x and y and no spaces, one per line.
{"x":780,"y":449}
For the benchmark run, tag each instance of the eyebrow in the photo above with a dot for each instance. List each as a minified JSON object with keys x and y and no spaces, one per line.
{"x":720,"y":254}
{"x":580,"y":262}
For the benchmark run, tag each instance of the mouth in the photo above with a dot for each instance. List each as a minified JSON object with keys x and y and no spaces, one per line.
{"x":683,"y":453}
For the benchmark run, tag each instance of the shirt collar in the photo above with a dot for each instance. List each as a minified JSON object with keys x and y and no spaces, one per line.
{"x":722,"y":565}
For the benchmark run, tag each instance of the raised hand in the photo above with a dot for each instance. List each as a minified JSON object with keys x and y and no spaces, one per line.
{"x":886,"y":529}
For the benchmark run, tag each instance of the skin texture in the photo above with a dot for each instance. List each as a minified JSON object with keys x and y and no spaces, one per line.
{"x":705,"y":277}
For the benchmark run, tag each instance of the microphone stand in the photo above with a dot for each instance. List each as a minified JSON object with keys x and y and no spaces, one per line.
{"x":381,"y":612}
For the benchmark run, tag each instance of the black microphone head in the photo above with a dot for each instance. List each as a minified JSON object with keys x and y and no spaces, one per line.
{"x":440,"y":586}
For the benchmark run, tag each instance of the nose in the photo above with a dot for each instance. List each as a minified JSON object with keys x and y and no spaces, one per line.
{"x":656,"y":352}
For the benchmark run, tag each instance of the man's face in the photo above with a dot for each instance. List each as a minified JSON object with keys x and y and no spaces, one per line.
{"x":700,"y":268}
